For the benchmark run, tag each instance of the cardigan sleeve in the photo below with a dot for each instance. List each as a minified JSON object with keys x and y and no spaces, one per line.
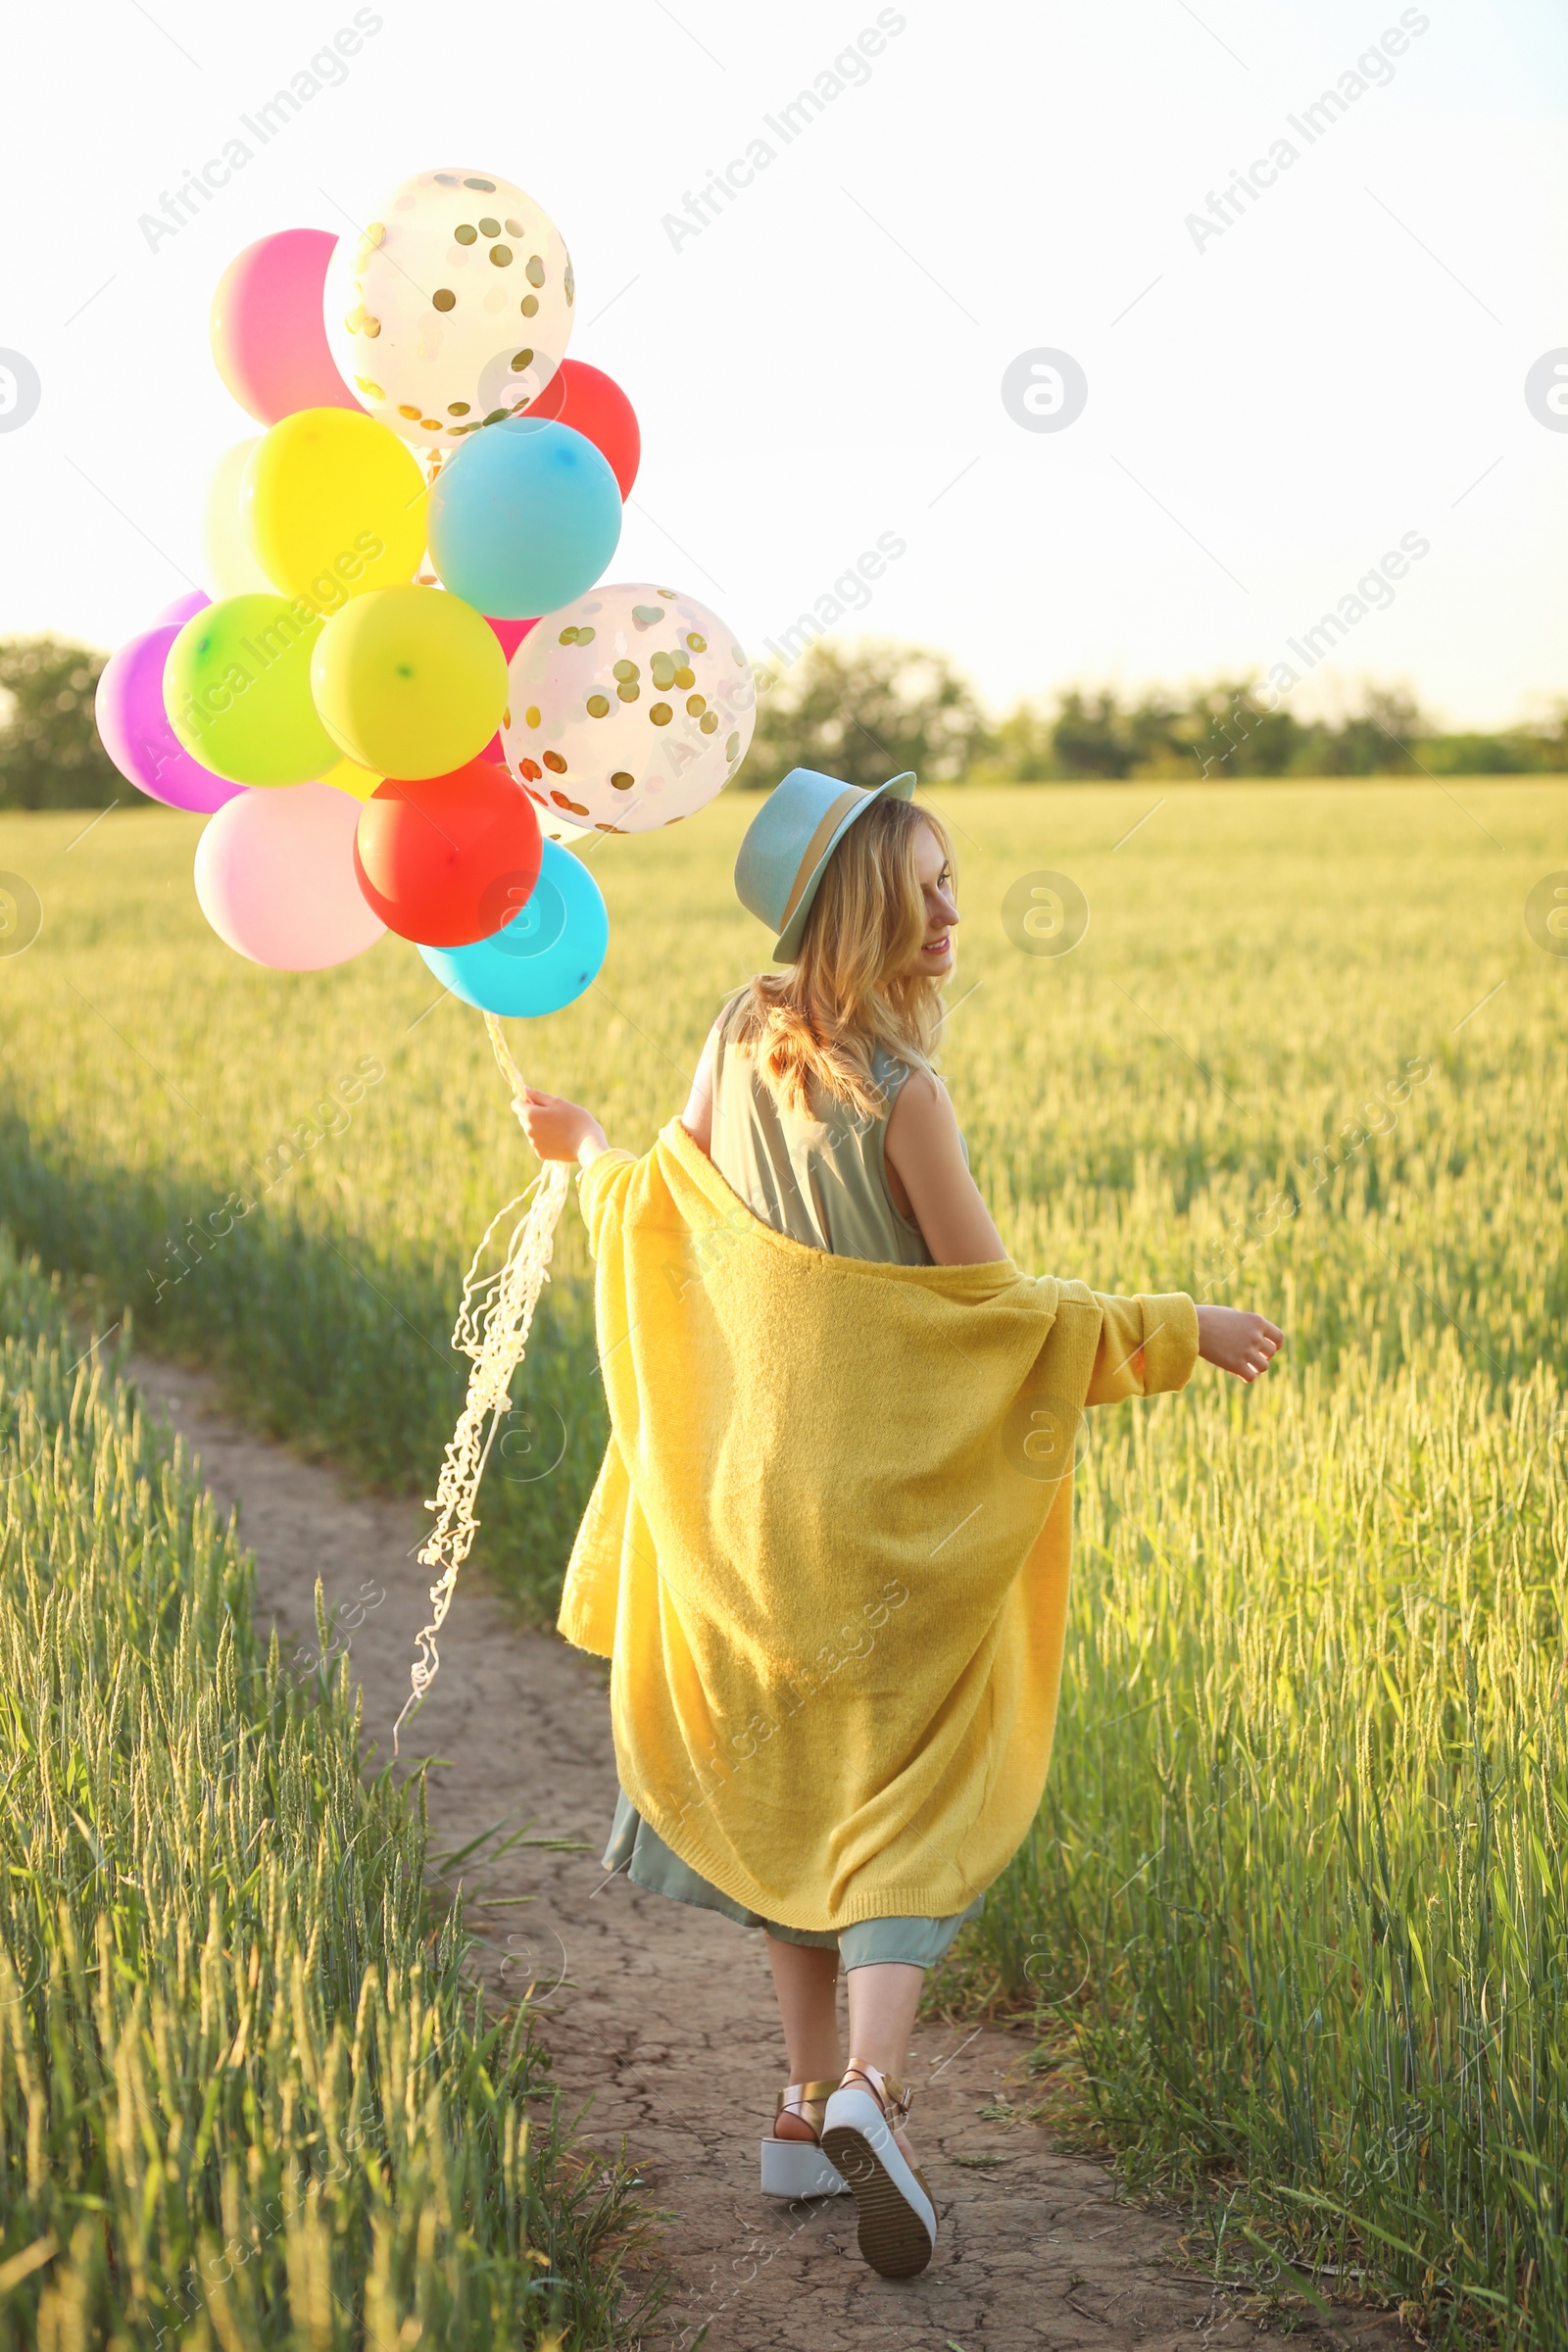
{"x":602,"y":1182}
{"x":1145,"y":1345}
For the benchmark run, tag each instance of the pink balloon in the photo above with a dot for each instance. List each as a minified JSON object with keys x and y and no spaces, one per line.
{"x":269,"y":337}
{"x":184,"y":608}
{"x":509,"y":634}
{"x":135,"y":730}
{"x":274,"y":877}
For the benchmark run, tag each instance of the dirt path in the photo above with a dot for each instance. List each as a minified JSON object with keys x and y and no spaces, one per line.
{"x":664,"y":2015}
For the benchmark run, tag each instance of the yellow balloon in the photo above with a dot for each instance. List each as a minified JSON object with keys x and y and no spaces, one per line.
{"x":231,"y":568}
{"x":333,"y":506}
{"x":408,"y":682}
{"x":348,"y":777}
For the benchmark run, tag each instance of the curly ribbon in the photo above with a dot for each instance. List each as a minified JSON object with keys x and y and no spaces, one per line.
{"x":492,"y":1331}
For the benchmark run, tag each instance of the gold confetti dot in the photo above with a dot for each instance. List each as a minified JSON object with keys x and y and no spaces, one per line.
{"x":408,"y":411}
{"x":466,"y":233}
{"x":733,"y":745}
{"x":535,"y":272}
{"x":506,"y":716}
{"x":486,"y":187}
{"x":624,"y":670}
{"x":489,"y":227}
{"x":570,"y":284}
{"x":555,"y":763}
{"x":446,"y":179}
{"x":495,"y":416}
{"x":586,"y":636}
{"x":699,"y":645}
{"x":431,"y":425}
{"x":501,"y":255}
{"x":444,"y":299}
{"x":598,"y":707}
{"x":530,"y":305}
{"x":372,"y":327}
{"x":531,"y":769}
{"x":685,"y":676}
{"x":623,"y":783}
{"x":669,"y":592}
{"x":663,"y":669}
{"x":628,"y":690}
{"x":709,"y":722}
{"x":521,"y":361}
{"x":660,"y":715}
{"x":532,"y":716}
{"x":515,"y":228}
{"x":376,"y":232}
{"x":567,"y":636}
{"x":696,"y":704}
{"x":578,"y":808}
{"x":457,"y":408}
{"x":738,"y":656}
{"x":354,"y":319}
{"x":363,"y":383}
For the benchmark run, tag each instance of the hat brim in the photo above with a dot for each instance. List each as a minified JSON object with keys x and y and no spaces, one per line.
{"x":787,"y":945}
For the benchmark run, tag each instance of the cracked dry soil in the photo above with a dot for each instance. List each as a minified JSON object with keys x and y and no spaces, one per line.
{"x":663,"y":2016}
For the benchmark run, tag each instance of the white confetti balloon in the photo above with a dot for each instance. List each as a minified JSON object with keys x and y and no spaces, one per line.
{"x":627,"y":709}
{"x":452,"y":308}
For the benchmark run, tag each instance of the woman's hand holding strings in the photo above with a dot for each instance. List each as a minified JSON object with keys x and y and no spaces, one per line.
{"x":559,"y":1129}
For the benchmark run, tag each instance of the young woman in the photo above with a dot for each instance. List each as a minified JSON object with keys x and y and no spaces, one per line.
{"x":815,"y":1101}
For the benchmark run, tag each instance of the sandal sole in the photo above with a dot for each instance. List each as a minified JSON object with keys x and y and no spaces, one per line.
{"x":798,"y":2168}
{"x":892,"y":2237}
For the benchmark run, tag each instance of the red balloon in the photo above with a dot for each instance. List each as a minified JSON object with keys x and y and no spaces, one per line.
{"x":451,"y":859}
{"x":594,"y":405}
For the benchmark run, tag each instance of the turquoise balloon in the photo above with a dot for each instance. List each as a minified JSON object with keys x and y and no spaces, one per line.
{"x":524,"y":517}
{"x":544,"y":959}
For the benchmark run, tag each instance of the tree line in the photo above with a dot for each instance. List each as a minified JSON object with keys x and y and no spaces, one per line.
{"x":864,"y":711}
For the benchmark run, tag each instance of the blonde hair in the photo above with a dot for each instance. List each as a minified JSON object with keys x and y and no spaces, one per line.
{"x":855,"y":984}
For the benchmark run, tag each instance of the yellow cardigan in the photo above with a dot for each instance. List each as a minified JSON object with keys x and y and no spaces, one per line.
{"x":828,"y":1548}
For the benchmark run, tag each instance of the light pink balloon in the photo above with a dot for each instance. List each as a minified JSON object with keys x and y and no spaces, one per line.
{"x":274,"y":877}
{"x":269,"y":335}
{"x":186,"y":607}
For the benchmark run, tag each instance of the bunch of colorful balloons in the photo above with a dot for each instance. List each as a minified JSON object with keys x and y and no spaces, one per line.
{"x":406,"y":696}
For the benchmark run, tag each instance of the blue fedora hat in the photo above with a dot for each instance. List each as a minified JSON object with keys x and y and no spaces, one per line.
{"x":786,"y":847}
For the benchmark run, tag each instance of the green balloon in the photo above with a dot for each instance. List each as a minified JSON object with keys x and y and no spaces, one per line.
{"x":237,"y":691}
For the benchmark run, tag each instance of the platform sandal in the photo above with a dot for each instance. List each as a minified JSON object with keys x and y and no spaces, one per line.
{"x":798,"y":2168}
{"x":897,"y":2219}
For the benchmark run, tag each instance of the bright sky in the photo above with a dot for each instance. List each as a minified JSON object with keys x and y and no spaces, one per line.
{"x":1272,"y":405}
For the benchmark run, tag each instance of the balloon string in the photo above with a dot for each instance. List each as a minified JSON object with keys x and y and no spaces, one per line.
{"x":492,"y":1329}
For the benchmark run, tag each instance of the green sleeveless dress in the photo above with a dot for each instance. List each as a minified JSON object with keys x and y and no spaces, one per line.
{"x":818,"y":1174}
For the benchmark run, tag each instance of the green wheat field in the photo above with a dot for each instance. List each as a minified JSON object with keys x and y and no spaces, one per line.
{"x":1293,"y":1929}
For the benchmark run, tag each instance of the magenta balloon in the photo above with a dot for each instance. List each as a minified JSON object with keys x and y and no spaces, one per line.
{"x":274,"y":877}
{"x":269,"y":336}
{"x":509,"y":634}
{"x":135,"y":730}
{"x":186,"y":608}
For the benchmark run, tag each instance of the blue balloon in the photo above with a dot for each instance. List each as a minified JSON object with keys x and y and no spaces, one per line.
{"x":549,"y":953}
{"x":524,"y":517}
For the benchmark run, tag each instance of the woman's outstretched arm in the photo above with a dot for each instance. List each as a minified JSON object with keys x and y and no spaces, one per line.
{"x":926,"y":1164}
